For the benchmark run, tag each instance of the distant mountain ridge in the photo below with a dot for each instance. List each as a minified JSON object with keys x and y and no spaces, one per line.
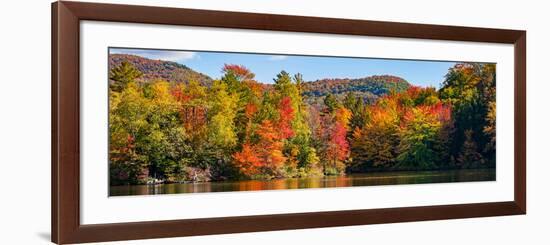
{"x":369,"y":88}
{"x":160,"y":69}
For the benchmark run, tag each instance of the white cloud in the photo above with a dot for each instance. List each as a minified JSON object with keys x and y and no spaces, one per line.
{"x":277,"y":57}
{"x":177,"y":56}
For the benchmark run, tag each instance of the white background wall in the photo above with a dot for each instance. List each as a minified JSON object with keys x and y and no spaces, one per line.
{"x":25,"y":121}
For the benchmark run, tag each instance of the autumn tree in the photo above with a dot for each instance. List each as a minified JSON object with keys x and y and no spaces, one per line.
{"x":418,"y":136}
{"x":470,"y":89}
{"x":128,"y":112}
{"x":488,"y":85}
{"x":298,"y":149}
{"x":469,"y":156}
{"x":221,"y":130}
{"x":247,"y":160}
{"x":338,"y":147}
{"x":265,"y":157}
{"x":490,"y":128}
{"x":375,"y":144}
{"x":164,"y":131}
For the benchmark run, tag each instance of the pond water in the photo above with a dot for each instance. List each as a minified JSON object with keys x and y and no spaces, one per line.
{"x":369,"y":179}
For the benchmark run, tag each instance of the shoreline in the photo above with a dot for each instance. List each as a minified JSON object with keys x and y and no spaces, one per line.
{"x":374,"y":173}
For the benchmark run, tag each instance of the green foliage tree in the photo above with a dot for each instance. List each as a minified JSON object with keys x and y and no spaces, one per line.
{"x":470,"y":89}
{"x":222,"y":136}
{"x":122,"y":75}
{"x":418,"y":136}
{"x":330,"y":102}
{"x":127,"y":126}
{"x":358,"y":109}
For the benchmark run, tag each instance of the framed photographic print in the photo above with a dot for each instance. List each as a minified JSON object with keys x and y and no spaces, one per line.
{"x":177,"y":122}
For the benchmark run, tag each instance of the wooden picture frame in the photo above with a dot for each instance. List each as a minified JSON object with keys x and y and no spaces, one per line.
{"x":65,"y":177}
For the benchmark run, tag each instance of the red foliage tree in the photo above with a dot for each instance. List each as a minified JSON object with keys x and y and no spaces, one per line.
{"x":241,"y":72}
{"x":250,"y":110}
{"x":339,"y":146}
{"x":286,"y":115}
{"x":270,"y":146}
{"x":247,"y":160}
{"x":442,"y":111}
{"x":266,"y":156}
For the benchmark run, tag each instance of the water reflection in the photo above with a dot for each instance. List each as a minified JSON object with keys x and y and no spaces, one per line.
{"x":371,"y":179}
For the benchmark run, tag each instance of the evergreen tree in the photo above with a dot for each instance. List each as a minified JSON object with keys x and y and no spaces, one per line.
{"x":330,"y":102}
{"x":122,"y":75}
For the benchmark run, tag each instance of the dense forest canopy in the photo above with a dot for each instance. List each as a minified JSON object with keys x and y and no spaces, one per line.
{"x":190,"y":127}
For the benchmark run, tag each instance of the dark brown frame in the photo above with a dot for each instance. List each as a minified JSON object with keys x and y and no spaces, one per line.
{"x":66,"y":227}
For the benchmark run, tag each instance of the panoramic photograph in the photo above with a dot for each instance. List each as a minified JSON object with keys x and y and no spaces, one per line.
{"x":203,"y":121}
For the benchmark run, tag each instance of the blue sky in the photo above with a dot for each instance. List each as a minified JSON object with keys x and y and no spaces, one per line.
{"x":267,"y":66}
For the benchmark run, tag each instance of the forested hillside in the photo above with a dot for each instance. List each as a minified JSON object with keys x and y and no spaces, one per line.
{"x":159,"y":69}
{"x":239,"y":128}
{"x":368,"y":88}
